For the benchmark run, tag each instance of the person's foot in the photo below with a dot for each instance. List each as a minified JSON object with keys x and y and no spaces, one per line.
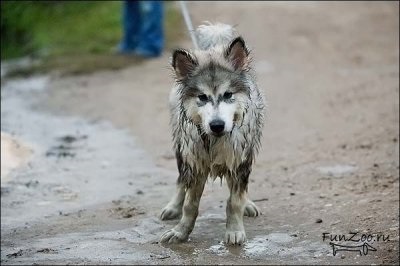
{"x":146,"y":53}
{"x":135,"y":53}
{"x":140,"y":52}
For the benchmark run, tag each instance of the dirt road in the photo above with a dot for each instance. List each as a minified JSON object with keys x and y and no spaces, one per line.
{"x":103,"y":167}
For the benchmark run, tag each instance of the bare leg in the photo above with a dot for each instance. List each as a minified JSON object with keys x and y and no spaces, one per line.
{"x":190,"y":211}
{"x":174,"y":207}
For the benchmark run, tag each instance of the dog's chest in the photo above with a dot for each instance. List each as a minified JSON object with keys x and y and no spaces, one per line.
{"x":210,"y":154}
{"x":217,"y":154}
{"x":221,"y":152}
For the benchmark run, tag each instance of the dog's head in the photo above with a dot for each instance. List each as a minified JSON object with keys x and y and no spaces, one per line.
{"x":214,"y":88}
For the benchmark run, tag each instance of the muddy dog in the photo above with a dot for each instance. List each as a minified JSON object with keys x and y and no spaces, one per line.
{"x":217,"y":116}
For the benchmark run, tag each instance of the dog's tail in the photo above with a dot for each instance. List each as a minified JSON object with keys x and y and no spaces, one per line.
{"x":210,"y":35}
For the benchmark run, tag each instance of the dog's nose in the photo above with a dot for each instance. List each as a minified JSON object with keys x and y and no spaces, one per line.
{"x":217,"y":126}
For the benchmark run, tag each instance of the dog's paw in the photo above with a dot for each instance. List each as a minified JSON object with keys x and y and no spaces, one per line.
{"x":170,"y":212}
{"x":173,"y":236}
{"x":235,"y":237}
{"x":251,"y":209}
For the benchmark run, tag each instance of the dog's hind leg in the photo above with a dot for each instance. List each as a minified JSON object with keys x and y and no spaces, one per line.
{"x":174,"y":207}
{"x":190,"y":211}
{"x":251,"y":209}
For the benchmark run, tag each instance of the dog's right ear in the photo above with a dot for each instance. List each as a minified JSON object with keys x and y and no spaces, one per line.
{"x":183,"y":63}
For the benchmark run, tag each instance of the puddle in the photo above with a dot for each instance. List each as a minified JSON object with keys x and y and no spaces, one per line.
{"x":279,"y":244}
{"x":76,"y":163}
{"x":87,"y":248}
{"x":218,"y":249}
{"x":338,"y":170}
{"x":81,"y":173}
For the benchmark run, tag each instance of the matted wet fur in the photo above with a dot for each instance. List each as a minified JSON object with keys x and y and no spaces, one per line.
{"x":217,"y":118}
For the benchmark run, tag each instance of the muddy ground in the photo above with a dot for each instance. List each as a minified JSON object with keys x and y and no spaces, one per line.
{"x":102,"y":166}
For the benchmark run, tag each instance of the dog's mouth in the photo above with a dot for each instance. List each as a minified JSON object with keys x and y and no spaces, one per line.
{"x":218,"y":134}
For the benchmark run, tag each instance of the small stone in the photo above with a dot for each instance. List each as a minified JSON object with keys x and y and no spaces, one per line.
{"x":162,"y":256}
{"x":139,"y":192}
{"x":365,"y":146}
{"x":318,"y":221}
{"x":343,"y":256}
{"x":292,"y":193}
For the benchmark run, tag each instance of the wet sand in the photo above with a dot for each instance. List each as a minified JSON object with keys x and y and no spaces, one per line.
{"x":103,"y":165}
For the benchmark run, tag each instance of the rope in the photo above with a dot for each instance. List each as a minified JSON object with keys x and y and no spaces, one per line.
{"x":188,"y":22}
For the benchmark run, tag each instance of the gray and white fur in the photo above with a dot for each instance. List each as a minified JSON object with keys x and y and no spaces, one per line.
{"x":217,"y":116}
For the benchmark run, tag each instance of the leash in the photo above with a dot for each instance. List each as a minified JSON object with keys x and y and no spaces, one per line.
{"x":188,"y":22}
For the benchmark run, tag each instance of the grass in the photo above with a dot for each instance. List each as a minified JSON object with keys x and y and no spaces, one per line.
{"x":73,"y":37}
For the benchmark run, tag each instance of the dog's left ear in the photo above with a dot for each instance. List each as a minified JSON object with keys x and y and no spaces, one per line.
{"x":238,"y":54}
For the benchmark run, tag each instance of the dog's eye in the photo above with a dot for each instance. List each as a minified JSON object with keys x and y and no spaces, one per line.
{"x":203,"y":97}
{"x":227,"y":95}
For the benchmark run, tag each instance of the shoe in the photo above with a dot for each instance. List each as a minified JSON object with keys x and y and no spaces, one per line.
{"x":146,"y":53}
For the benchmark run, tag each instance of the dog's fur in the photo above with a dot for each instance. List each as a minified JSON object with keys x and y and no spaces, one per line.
{"x":217,"y":118}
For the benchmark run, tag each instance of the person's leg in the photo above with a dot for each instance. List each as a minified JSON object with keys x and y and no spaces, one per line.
{"x":131,"y":26}
{"x":151,"y":42}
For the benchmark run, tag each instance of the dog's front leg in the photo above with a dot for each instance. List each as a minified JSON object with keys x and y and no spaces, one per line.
{"x":190,"y":211}
{"x":235,"y":234}
{"x":237,"y":202}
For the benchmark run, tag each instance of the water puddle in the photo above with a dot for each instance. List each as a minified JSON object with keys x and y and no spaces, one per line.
{"x":279,"y":244}
{"x":75,"y":163}
{"x":338,"y":170}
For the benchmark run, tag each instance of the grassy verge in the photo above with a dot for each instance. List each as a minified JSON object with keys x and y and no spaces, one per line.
{"x":72,"y":37}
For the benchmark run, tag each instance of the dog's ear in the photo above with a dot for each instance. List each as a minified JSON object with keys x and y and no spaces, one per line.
{"x":183,"y":63}
{"x":238,"y":54}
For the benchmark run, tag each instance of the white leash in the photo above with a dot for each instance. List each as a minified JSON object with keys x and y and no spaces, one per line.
{"x":188,"y":22}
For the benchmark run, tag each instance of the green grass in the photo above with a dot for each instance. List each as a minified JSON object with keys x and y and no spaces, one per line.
{"x":74,"y":37}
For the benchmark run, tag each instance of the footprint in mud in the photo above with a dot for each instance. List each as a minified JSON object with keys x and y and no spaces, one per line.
{"x":47,"y":250}
{"x":15,"y":254}
{"x":70,"y":139}
{"x":65,"y":148}
{"x":64,"y":192}
{"x":124,"y":211}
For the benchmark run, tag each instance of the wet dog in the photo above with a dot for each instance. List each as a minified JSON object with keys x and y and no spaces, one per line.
{"x":217,"y":118}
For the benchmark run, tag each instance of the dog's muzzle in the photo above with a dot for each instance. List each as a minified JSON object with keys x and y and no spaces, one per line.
{"x":217,"y":127}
